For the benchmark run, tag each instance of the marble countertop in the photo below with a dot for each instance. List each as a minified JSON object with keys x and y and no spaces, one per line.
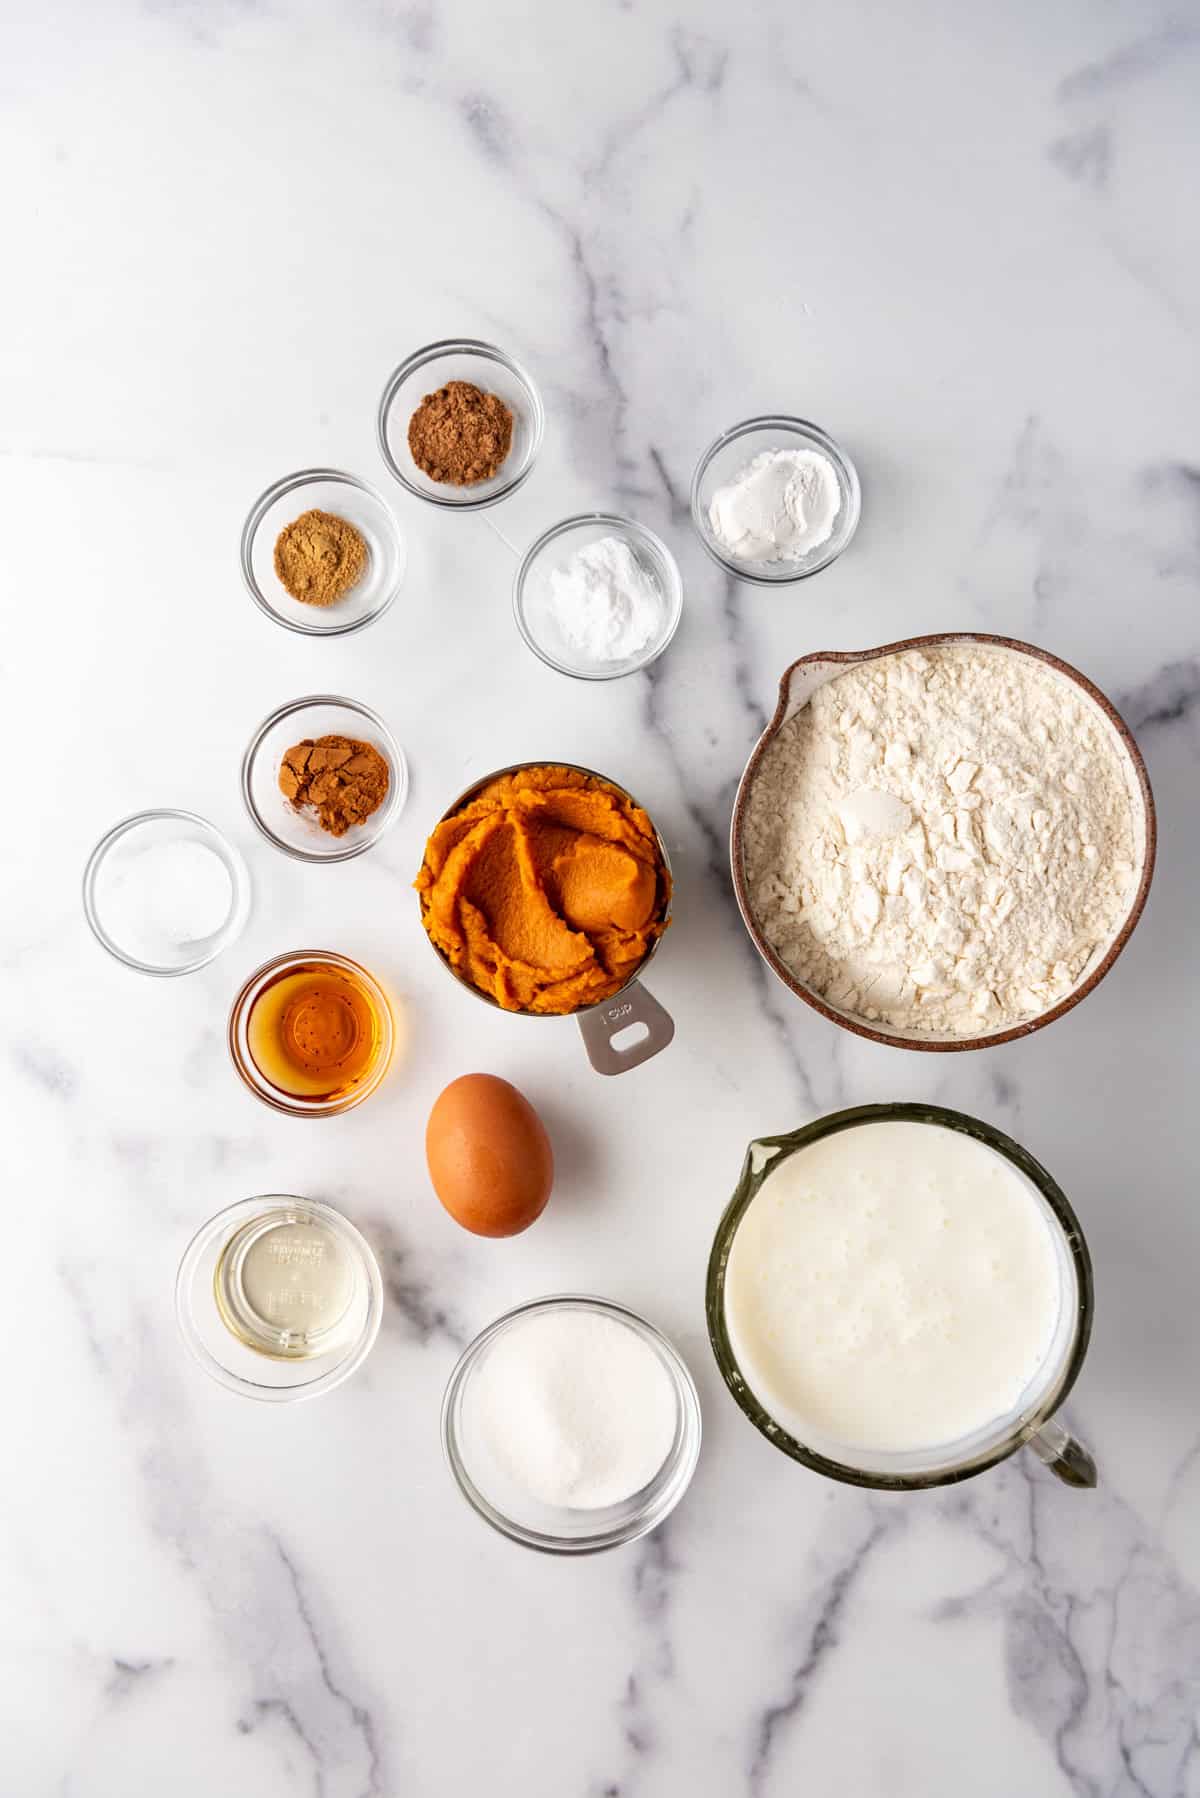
{"x":963,"y":239}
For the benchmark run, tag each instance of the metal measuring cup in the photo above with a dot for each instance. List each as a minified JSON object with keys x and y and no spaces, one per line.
{"x":599,"y":1024}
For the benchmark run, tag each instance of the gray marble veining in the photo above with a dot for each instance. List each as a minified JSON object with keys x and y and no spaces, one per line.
{"x":962,"y":239}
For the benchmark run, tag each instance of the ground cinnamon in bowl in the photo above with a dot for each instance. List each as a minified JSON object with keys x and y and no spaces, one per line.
{"x":319,"y":557}
{"x":342,"y":779}
{"x":460,"y":435}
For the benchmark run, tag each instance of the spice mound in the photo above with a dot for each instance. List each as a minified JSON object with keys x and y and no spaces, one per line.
{"x":341,"y":778}
{"x":546,"y":891}
{"x":460,"y":435}
{"x":319,"y":557}
{"x":943,"y":840}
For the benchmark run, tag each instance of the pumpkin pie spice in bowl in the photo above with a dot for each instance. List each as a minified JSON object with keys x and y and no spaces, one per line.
{"x":545,"y":890}
{"x":944,"y":843}
{"x":323,"y":778}
{"x":460,"y":424}
{"x":321,"y":553}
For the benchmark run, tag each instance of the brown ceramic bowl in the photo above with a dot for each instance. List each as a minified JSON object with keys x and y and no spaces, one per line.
{"x":796,"y":688}
{"x":601,"y":1025}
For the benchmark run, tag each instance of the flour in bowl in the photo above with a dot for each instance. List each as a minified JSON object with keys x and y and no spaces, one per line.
{"x":941,"y":840}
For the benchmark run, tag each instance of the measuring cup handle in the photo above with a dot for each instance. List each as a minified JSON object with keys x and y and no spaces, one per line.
{"x":1064,"y":1455}
{"x":633,"y":1005}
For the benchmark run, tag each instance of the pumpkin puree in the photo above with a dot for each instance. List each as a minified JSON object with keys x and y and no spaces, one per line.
{"x":546,"y":891}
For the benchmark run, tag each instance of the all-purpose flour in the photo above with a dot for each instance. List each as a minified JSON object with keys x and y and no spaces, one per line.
{"x":940,"y":840}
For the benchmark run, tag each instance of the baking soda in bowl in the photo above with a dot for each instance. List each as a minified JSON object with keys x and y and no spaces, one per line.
{"x":894,"y":1288}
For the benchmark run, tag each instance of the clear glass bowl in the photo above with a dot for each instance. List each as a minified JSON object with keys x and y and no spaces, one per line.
{"x":114,"y":864}
{"x":296,"y":831}
{"x":484,"y":366}
{"x":723,"y":460}
{"x":559,"y":1530}
{"x":251,"y":1372}
{"x":325,"y":490}
{"x":292,"y":1104}
{"x":531,"y":592}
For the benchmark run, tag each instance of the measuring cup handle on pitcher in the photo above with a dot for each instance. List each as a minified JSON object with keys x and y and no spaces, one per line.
{"x":604,"y":1023}
{"x":1064,"y":1455}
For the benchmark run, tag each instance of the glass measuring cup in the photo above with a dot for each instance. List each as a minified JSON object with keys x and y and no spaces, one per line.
{"x":1031,"y":1424}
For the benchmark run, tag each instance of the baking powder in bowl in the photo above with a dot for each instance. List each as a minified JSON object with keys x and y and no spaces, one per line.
{"x":606,"y":606}
{"x":576,"y":1409}
{"x":779,"y":508}
{"x":942,"y":840}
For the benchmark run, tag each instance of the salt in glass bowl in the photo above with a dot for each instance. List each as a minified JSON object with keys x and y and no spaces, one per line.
{"x":115,"y":859}
{"x":295,"y":830}
{"x":724,"y":460}
{"x":555,"y":547}
{"x":324,"y":490}
{"x":232,"y":1362}
{"x":298,"y":1105}
{"x":559,"y":1529}
{"x":485,"y":367}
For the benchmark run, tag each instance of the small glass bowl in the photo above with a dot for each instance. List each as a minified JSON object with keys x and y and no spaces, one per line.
{"x":114,"y":861}
{"x":484,"y":366}
{"x":531,"y":592}
{"x":325,"y":490}
{"x":723,"y":460}
{"x":293,"y":1104}
{"x":296,"y":831}
{"x":555,"y":1529}
{"x":253,"y":1372}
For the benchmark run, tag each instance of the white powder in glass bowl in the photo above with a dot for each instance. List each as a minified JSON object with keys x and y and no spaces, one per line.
{"x":780,"y":507}
{"x":941,"y":841}
{"x":575,"y":1409}
{"x":164,"y":897}
{"x":606,"y":606}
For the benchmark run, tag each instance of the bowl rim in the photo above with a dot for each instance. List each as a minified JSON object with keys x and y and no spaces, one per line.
{"x":256,"y":1083}
{"x":820,"y":439}
{"x":488,"y":352}
{"x":860,"y":1027}
{"x":600,"y":1540}
{"x":235,"y":866}
{"x":472,"y":791}
{"x":392,"y":806}
{"x":286,"y":484}
{"x":618,"y":522}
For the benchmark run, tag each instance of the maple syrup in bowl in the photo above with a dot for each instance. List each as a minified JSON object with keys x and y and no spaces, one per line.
{"x":311,"y":1033}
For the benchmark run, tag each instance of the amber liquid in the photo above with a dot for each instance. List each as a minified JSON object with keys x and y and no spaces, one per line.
{"x":314,"y":1031}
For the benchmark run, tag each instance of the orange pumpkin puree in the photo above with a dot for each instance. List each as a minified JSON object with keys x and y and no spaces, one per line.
{"x":546,"y":891}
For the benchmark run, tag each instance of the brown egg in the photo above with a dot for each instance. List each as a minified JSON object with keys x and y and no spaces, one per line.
{"x":489,"y":1157}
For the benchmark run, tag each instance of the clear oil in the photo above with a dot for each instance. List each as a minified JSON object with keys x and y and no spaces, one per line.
{"x":285,"y":1286}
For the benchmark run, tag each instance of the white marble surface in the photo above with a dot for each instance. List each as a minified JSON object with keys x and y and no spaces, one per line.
{"x":965,"y":240}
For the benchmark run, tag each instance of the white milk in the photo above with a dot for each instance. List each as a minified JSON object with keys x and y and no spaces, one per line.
{"x":892,"y":1287}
